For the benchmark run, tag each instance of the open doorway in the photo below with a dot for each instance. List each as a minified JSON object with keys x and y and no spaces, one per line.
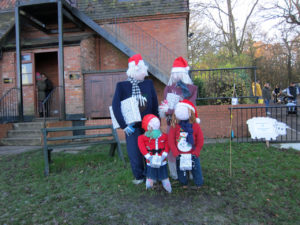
{"x":47,"y":63}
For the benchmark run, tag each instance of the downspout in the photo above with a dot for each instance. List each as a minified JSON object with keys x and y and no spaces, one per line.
{"x":19,"y":66}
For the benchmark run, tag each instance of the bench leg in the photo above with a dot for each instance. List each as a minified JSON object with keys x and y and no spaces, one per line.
{"x":46,"y":159}
{"x":112,"y":149}
{"x":120,"y":153}
{"x":49,"y":156}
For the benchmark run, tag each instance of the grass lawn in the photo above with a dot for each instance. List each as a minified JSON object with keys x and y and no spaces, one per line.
{"x":92,"y":188}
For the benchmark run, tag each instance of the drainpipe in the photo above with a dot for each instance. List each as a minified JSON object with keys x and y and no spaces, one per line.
{"x":61,"y":61}
{"x":19,"y":61}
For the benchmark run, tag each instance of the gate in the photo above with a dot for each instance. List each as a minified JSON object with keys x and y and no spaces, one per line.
{"x":281,"y":113}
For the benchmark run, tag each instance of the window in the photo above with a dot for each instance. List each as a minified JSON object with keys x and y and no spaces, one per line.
{"x":26,"y":69}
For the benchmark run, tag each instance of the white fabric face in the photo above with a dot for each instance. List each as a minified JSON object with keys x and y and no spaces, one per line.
{"x":182,"y":112}
{"x":177,"y":76}
{"x":138,"y":72}
{"x":141,"y":75}
{"x":154,"y":124}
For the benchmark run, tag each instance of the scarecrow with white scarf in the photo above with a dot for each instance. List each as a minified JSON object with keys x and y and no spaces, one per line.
{"x":186,"y":141}
{"x":143,"y":91}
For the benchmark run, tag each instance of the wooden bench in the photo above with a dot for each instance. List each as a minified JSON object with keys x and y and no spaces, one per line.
{"x":104,"y":137}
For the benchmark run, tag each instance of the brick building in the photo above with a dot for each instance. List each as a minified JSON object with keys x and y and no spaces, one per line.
{"x":98,"y":38}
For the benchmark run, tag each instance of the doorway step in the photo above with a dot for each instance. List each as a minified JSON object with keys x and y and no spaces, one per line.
{"x":24,"y":134}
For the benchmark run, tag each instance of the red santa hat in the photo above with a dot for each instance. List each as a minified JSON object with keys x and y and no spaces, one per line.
{"x":189,"y":105}
{"x":135,"y":65}
{"x":147,"y":120}
{"x":180,"y":65}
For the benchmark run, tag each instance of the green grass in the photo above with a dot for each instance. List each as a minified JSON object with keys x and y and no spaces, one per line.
{"x":92,"y":188}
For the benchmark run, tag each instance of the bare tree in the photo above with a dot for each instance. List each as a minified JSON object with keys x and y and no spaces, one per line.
{"x":286,"y":10}
{"x":220,"y":13}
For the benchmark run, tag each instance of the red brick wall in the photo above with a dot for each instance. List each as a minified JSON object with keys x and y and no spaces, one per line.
{"x":170,"y":32}
{"x":215,"y":120}
{"x":8,"y":70}
{"x":88,"y":54}
{"x":110,"y":57}
{"x":4,"y":128}
{"x":73,"y":88}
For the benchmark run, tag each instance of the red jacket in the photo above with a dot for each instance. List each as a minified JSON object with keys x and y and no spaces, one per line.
{"x":174,"y":139}
{"x":145,"y":144}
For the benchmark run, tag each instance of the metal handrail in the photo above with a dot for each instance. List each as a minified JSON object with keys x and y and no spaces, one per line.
{"x":46,"y":104}
{"x":9,"y":106}
{"x":131,"y":34}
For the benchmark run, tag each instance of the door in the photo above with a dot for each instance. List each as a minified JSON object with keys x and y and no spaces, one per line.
{"x":99,"y":91}
{"x":47,"y":63}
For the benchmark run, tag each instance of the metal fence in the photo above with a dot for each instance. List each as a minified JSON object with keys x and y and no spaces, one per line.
{"x":282,"y":113}
{"x":9,"y":111}
{"x":218,"y":86}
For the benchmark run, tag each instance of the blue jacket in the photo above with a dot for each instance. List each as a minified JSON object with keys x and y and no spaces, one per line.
{"x":124,"y":91}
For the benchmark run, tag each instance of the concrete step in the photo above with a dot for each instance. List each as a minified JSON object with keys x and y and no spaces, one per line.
{"x":28,"y":126}
{"x":24,"y":133}
{"x":21,"y":141}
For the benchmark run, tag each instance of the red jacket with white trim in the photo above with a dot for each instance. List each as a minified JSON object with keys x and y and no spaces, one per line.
{"x":146,"y":145}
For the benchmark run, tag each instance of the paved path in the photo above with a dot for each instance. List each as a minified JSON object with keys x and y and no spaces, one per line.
{"x":13,"y":150}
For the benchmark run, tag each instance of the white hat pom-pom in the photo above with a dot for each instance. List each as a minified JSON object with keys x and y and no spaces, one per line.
{"x":198,"y":120}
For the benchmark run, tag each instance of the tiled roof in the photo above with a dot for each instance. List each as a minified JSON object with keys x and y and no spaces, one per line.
{"x":106,"y":9}
{"x":7,"y":21}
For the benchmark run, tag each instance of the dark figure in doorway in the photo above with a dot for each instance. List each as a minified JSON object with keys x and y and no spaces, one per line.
{"x":44,"y":88}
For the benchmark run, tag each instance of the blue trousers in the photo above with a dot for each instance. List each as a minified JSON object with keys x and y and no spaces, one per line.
{"x":196,"y":171}
{"x":267,"y":103}
{"x":135,"y":156}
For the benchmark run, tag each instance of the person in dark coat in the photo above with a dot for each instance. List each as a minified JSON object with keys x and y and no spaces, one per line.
{"x":44,"y":87}
{"x":266,"y":94}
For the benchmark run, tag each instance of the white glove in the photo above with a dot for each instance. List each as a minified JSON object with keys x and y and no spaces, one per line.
{"x":163,"y":156}
{"x":148,"y":157}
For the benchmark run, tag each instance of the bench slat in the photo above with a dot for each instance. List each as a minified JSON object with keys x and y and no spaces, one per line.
{"x":55,"y":129}
{"x":78,"y":137}
{"x":72,"y":144}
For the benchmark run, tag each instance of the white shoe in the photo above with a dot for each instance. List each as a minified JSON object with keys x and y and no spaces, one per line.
{"x":135,"y":181}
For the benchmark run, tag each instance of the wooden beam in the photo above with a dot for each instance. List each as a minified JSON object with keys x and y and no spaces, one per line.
{"x":34,"y":24}
{"x":72,"y":19}
{"x":67,"y":30}
{"x":36,"y":2}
